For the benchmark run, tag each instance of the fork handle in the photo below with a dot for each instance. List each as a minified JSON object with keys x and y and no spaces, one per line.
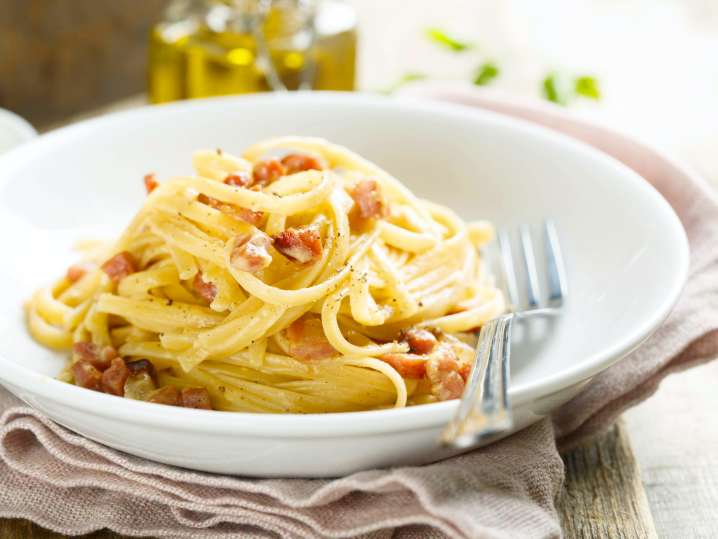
{"x":484,"y":409}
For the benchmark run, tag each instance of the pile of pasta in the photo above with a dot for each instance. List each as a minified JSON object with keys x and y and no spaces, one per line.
{"x":297,"y":278}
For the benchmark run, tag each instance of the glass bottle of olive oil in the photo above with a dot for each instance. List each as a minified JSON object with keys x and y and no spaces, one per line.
{"x":215,"y":47}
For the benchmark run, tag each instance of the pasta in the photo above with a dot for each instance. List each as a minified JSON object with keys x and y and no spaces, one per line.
{"x":297,"y":278}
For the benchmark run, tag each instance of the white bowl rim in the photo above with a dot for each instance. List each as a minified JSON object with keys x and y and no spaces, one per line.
{"x":345,"y":423}
{"x":19,"y":125}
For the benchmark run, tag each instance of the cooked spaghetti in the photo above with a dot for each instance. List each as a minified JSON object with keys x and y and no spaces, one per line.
{"x":297,"y":278}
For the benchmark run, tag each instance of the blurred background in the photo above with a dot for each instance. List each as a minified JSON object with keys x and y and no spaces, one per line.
{"x":648,"y":66}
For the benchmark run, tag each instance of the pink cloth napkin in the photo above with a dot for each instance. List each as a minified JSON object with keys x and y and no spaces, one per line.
{"x":72,"y":485}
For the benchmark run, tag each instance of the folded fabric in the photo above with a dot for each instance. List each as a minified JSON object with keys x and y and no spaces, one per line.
{"x":73,"y":485}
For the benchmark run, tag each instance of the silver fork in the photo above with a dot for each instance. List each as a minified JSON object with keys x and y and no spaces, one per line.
{"x":484,"y":410}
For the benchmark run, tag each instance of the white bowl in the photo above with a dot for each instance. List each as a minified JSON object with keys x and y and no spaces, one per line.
{"x":14,"y":130}
{"x":627,"y":259}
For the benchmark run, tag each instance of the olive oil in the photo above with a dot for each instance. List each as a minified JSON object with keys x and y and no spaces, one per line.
{"x":213,"y":47}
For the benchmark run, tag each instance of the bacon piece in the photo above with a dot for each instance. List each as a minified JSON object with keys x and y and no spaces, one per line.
{"x":100,"y":358}
{"x":303,"y":245}
{"x":463,"y":352}
{"x":244,"y":214}
{"x":151,"y":182}
{"x":119,"y":266}
{"x":268,"y":171}
{"x":77,"y":272}
{"x":206,"y":290}
{"x":297,"y":162}
{"x":87,"y":376}
{"x":465,"y":371}
{"x":443,"y":371}
{"x":369,"y":201}
{"x":204,"y":199}
{"x":408,"y":365}
{"x":421,"y":341}
{"x":107,"y":355}
{"x":307,"y":341}
{"x":195,"y":397}
{"x":140,"y":366}
{"x":250,"y":252}
{"x":114,"y":378}
{"x":238,"y":179}
{"x":252,"y":217}
{"x":165,"y":395}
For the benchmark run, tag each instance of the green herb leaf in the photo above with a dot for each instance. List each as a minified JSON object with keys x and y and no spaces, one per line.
{"x":445,"y":40}
{"x":486,"y":73}
{"x":411,"y":77}
{"x":552,"y":91}
{"x":404,"y":79}
{"x":587,"y":87}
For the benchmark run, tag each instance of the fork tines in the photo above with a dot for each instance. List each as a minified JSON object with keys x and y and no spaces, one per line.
{"x":554,"y":269}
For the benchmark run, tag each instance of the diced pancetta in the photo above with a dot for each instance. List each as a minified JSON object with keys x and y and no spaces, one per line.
{"x":443,"y":372}
{"x":463,"y":353}
{"x":206,"y":290}
{"x":195,"y":397}
{"x":114,"y":378}
{"x":369,"y":201}
{"x":119,"y":266}
{"x":213,"y":202}
{"x":252,"y":217}
{"x":165,"y":395}
{"x":420,"y":341}
{"x":298,"y":162}
{"x":307,"y":341}
{"x":268,"y":171}
{"x":86,"y":375}
{"x":303,"y":245}
{"x":422,"y":344}
{"x":99,"y":357}
{"x":238,"y":179}
{"x":250,"y":252}
{"x":407,"y":365}
{"x":465,"y":371}
{"x":243,"y":214}
{"x":151,"y":182}
{"x":77,"y":272}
